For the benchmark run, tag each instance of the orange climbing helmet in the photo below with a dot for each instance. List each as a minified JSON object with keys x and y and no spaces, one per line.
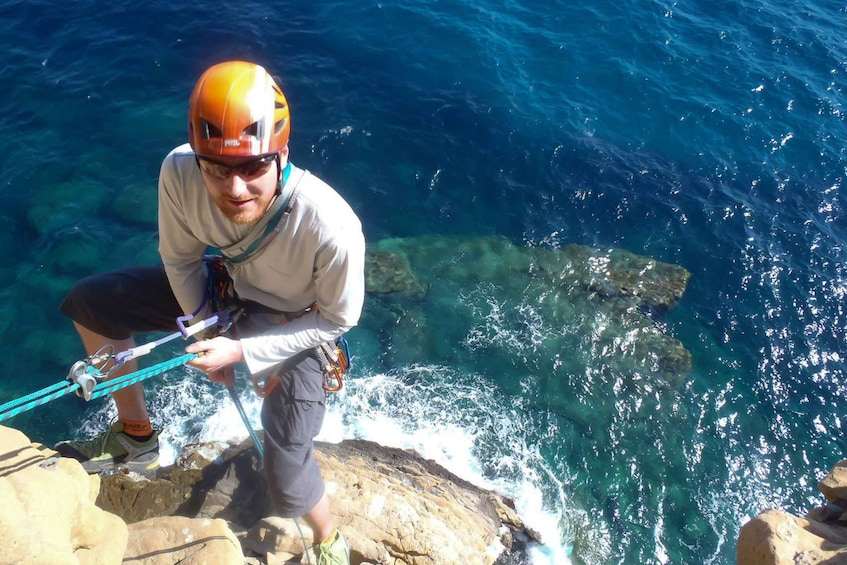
{"x":237,"y":110}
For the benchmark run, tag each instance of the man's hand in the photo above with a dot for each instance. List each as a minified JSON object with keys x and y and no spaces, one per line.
{"x":216,"y":357}
{"x":225,"y":376}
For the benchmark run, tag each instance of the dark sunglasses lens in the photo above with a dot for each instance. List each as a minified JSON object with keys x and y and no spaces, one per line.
{"x":247,"y":170}
{"x":215,"y":169}
{"x":255,"y":168}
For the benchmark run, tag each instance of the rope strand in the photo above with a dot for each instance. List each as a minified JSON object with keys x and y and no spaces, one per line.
{"x":60,"y":389}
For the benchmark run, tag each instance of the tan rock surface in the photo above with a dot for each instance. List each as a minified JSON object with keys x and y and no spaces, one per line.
{"x":278,"y":537}
{"x":411,"y":508}
{"x":834,"y":485}
{"x":392,"y":505}
{"x":48,"y":513}
{"x":175,"y":539}
{"x":778,"y":538}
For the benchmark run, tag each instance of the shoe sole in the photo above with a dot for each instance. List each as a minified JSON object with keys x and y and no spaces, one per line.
{"x":140,"y":465}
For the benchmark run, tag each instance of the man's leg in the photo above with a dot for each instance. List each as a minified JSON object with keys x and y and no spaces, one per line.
{"x":130,"y":400}
{"x":319,"y":518}
{"x":292,"y":415}
{"x":330,"y":545}
{"x":131,"y":441}
{"x":120,"y":303}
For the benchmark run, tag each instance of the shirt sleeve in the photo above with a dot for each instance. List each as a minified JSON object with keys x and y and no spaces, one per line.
{"x":339,"y":274}
{"x":181,"y":251}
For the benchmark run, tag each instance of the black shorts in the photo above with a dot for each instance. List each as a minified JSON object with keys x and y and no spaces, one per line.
{"x":292,"y":415}
{"x":122,"y":303}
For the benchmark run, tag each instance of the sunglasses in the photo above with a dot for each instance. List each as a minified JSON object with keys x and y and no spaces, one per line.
{"x":247,"y":170}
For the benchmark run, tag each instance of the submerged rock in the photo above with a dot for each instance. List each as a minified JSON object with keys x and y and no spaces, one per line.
{"x":616,"y":273}
{"x":387,"y":273}
{"x":60,"y":207}
{"x":602,"y":306}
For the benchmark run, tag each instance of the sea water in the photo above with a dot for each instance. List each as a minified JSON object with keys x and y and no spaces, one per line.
{"x":703,"y":134}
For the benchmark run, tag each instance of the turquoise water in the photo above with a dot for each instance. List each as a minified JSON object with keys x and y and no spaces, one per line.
{"x":708,"y":135}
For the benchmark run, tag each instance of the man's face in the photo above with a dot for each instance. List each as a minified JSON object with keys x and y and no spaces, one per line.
{"x":248,"y":188}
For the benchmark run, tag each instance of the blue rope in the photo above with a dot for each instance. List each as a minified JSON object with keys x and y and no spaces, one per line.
{"x":246,"y":421}
{"x":52,"y":392}
{"x":108,"y":387}
{"x":34,"y":395}
{"x":9,"y":409}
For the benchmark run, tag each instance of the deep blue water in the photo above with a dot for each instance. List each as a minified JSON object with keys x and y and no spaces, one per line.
{"x":705,"y":134}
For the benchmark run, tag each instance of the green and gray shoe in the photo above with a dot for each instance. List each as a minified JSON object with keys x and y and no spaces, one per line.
{"x":334,"y":552}
{"x":113,"y":449}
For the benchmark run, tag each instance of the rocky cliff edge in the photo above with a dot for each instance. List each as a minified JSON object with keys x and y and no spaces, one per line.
{"x":212,"y":507}
{"x":775,"y":537}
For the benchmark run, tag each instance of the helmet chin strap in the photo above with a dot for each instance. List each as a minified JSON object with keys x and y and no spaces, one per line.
{"x":282,"y":168}
{"x":280,"y":179}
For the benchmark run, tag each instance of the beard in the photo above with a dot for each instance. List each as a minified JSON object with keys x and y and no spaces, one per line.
{"x":247,"y":213}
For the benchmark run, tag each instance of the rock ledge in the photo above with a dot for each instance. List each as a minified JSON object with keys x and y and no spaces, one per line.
{"x":778,"y":538}
{"x":211,"y":507}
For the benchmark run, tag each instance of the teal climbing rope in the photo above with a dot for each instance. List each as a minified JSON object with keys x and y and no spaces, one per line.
{"x":60,"y":389}
{"x":108,"y":387}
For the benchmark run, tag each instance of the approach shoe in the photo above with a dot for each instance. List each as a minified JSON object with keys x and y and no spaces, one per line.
{"x":113,"y":449}
{"x":335,"y":552}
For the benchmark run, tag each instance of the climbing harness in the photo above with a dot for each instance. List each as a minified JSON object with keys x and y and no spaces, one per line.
{"x":220,"y":294}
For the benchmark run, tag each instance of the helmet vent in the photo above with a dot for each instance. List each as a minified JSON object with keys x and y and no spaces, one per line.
{"x":209,"y":131}
{"x":255,"y":129}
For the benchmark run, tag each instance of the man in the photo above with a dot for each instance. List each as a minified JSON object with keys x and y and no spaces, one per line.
{"x":295,"y":254}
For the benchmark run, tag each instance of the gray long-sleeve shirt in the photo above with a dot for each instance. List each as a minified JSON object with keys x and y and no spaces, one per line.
{"x":317,"y":257}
